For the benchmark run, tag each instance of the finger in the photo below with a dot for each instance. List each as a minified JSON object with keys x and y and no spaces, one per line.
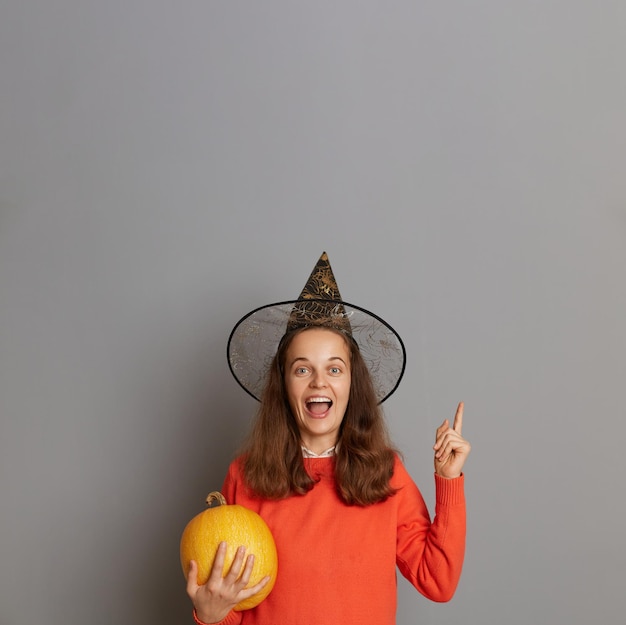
{"x":264,"y":582}
{"x":249,"y":592}
{"x":192,"y":579}
{"x":236,"y":566}
{"x":458,"y":418}
{"x":447,"y":449}
{"x":218,"y":563}
{"x":449,"y":439}
{"x":441,"y":430}
{"x":451,"y":450}
{"x":247,"y":571}
{"x":453,"y":444}
{"x":443,"y":451}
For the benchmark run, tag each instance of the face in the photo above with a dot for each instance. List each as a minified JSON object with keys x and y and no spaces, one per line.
{"x":317,"y":379}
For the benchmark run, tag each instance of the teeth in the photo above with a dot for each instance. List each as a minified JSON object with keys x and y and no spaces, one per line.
{"x":318,"y":400}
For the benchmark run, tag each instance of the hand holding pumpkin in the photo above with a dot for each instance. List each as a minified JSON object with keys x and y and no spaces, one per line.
{"x":218,"y":571}
{"x":215,"y":599}
{"x":451,"y":449}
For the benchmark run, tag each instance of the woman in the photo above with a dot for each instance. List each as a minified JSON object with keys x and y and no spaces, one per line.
{"x":320,"y":469}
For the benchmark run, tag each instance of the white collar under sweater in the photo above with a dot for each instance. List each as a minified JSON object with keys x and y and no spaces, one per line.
{"x":307,"y":453}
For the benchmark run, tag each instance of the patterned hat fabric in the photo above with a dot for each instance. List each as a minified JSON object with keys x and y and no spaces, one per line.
{"x":255,"y":338}
{"x":320,"y":302}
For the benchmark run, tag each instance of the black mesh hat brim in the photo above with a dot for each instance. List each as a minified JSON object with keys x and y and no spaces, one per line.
{"x":254,"y":341}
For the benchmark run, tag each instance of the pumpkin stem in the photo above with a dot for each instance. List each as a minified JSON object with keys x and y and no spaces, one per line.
{"x":215,"y":496}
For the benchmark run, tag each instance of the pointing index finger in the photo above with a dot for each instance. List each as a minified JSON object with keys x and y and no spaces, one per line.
{"x":458,"y":419}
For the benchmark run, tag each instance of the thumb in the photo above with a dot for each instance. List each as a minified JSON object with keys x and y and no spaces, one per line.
{"x":192,"y":578}
{"x":443,"y":427}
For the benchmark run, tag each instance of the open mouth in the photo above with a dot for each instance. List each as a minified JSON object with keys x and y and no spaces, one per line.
{"x":318,"y":406}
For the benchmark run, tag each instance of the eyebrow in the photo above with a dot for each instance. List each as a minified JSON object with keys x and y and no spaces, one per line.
{"x":303,"y":358}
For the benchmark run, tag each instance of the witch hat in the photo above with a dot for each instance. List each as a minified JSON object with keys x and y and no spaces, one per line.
{"x":255,"y":338}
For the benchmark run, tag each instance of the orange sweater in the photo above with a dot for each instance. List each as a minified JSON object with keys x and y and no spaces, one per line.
{"x":337,"y":563}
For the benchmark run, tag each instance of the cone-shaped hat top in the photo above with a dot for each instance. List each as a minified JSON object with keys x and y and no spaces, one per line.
{"x":320,"y":302}
{"x":254,"y":341}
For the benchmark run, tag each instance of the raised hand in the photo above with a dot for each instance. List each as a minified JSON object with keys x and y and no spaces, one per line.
{"x":220,"y":595}
{"x":451,"y":449}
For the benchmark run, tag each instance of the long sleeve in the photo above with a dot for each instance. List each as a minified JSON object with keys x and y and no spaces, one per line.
{"x":232,"y":618}
{"x":337,"y":563}
{"x":430,"y":555}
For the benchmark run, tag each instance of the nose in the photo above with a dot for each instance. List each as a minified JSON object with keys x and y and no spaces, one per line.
{"x":318,"y":380}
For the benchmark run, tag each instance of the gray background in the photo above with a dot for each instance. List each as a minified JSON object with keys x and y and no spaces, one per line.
{"x":165,"y":167}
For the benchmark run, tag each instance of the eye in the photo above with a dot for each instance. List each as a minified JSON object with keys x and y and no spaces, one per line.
{"x":335,"y":370}
{"x":301,"y":370}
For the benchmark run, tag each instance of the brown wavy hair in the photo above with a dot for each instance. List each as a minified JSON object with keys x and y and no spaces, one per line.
{"x":272,"y":464}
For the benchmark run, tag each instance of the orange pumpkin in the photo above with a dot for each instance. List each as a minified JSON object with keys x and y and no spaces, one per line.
{"x":237,"y":526}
